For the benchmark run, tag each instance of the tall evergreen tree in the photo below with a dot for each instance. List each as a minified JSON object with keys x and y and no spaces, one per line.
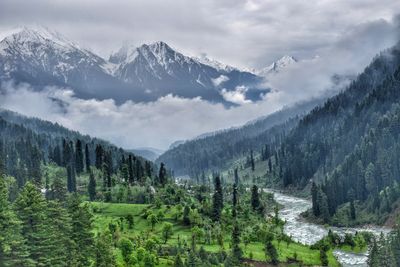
{"x":218,"y":201}
{"x":59,"y":229}
{"x":236,"y":176}
{"x":162,"y":175}
{"x":255,"y":198}
{"x":92,"y":186}
{"x":81,"y":232}
{"x":131,"y":170}
{"x":13,"y":249}
{"x":99,"y":157}
{"x":78,"y":157}
{"x":30,"y":208}
{"x":103,"y":250}
{"x":87,"y":158}
{"x":236,"y":250}
{"x":71,"y":178}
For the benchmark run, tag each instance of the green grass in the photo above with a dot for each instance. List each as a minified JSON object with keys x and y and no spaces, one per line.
{"x":107,"y":213}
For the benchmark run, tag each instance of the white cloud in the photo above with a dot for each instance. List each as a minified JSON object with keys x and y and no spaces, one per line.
{"x":154,"y":124}
{"x":222,"y":78}
{"x":238,"y":96}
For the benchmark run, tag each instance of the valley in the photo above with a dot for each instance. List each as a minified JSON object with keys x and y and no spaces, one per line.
{"x":128,"y":144}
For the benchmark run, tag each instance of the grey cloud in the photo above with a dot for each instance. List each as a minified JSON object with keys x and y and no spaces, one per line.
{"x":248,"y":33}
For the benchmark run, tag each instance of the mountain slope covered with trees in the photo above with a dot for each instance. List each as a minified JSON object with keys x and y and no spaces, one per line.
{"x":215,"y":152}
{"x":349,"y":147}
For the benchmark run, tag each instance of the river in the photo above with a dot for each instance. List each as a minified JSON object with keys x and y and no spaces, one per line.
{"x":309,"y":233}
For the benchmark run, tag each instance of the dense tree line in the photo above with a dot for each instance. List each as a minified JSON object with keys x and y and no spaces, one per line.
{"x":23,"y":151}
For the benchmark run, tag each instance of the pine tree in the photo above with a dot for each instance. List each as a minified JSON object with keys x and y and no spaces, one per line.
{"x":234,"y":200}
{"x":81,"y":232}
{"x":131,"y":170}
{"x":162,"y":175}
{"x":59,"y":230}
{"x":34,"y":167}
{"x":270,"y":251}
{"x":236,"y":250}
{"x":58,"y":190}
{"x":99,"y":157}
{"x":87,"y":158}
{"x":71,"y":178}
{"x":92,"y":186}
{"x":30,"y":208}
{"x":255,"y":199}
{"x":269,"y":165}
{"x":352,"y":210}
{"x":314,"y":195}
{"x":103,"y":250}
{"x":218,"y":202}
{"x":236,"y":177}
{"x":78,"y":157}
{"x":13,"y":249}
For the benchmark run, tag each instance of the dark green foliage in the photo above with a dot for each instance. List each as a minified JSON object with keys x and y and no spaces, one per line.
{"x":92,"y":186}
{"x":162,"y":175}
{"x":99,"y":157}
{"x":323,"y":257}
{"x":126,"y":247}
{"x":218,"y":201}
{"x":87,"y":158}
{"x":13,"y":249}
{"x":270,"y":250}
{"x":255,"y":198}
{"x":30,"y":208}
{"x":178,"y":261}
{"x":104,"y":255}
{"x":81,"y":232}
{"x":79,"y":157}
{"x":186,"y":213}
{"x":236,"y":250}
{"x":71,"y":178}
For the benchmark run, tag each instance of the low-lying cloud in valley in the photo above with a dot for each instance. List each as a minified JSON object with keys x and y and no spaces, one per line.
{"x":154,"y":124}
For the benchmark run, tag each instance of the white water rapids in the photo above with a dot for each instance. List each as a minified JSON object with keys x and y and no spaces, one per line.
{"x":309,"y":233}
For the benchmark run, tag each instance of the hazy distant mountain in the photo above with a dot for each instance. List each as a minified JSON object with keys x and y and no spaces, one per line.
{"x":147,"y":152}
{"x":41,"y":57}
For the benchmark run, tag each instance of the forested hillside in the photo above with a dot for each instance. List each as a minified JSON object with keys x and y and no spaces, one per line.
{"x":216,"y":151}
{"x":350,"y":147}
{"x":27,"y":144}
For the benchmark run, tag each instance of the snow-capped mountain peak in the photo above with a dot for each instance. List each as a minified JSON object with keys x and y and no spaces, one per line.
{"x":279,"y":65}
{"x":37,"y":34}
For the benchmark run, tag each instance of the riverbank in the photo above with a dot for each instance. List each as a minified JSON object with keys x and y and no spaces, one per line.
{"x":309,"y":233}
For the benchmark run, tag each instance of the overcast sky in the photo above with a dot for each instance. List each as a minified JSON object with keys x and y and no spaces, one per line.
{"x":248,"y":33}
{"x":330,"y":37}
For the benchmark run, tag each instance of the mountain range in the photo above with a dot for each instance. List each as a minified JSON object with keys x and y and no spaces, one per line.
{"x":41,"y":57}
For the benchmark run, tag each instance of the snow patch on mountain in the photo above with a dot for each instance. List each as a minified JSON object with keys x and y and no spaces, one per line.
{"x":278,"y":66}
{"x":204,"y":59}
